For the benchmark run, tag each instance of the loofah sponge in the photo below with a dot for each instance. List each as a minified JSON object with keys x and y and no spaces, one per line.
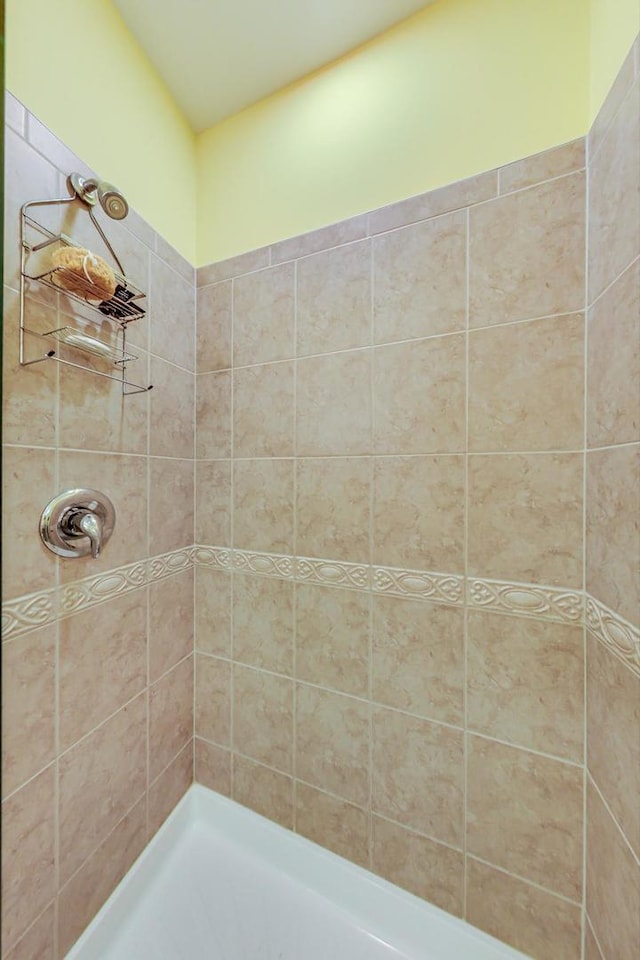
{"x":83,"y":273}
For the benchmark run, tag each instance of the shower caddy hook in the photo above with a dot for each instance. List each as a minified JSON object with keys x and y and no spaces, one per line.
{"x":124,"y":306}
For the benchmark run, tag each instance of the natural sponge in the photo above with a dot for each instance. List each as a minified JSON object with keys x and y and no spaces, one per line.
{"x":82,"y":273}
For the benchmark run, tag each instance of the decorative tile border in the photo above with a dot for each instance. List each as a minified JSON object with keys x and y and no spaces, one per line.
{"x":617,"y":634}
{"x":438,"y":587}
{"x":526,"y":600}
{"x":35,"y":610}
{"x":27,"y":613}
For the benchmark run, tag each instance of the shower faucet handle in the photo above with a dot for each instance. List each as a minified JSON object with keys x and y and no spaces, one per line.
{"x":88,"y":524}
{"x":77,"y":523}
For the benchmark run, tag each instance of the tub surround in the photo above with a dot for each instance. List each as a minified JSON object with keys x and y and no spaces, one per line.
{"x":404,"y":543}
{"x":97,"y":693}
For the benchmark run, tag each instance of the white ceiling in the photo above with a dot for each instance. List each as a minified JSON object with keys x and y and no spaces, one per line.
{"x":219,"y":56}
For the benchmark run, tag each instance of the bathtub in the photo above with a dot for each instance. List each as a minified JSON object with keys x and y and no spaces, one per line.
{"x":219,"y":882}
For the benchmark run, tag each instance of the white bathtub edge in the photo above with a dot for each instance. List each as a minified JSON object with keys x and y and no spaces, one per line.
{"x":389,"y":913}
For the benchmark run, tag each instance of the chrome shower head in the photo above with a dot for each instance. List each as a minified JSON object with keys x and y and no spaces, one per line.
{"x":93,"y":191}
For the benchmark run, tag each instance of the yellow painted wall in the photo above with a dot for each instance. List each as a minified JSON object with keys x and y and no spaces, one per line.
{"x":75,"y":65}
{"x":614,"y":26}
{"x":463,"y":86}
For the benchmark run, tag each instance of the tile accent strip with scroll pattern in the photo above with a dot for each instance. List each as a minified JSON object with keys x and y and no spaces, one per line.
{"x":515,"y":599}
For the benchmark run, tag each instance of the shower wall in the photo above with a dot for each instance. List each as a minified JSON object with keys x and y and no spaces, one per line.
{"x":612,"y":522}
{"x":411,"y":443}
{"x":97,"y":656}
{"x":391,"y":444}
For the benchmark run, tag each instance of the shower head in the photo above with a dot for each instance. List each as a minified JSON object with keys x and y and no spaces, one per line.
{"x":93,"y":191}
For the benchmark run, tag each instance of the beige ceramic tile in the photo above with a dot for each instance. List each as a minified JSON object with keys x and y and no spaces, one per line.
{"x":526,"y":386}
{"x":591,"y":949}
{"x":100,"y":778}
{"x":27,"y":176}
{"x":28,"y":706}
{"x":213,"y":699}
{"x":267,"y":792}
{"x":263,"y":622}
{"x":333,"y":235}
{"x":213,"y":503}
{"x":213,"y":327}
{"x":525,"y":518}
{"x":613,"y":363}
{"x":28,"y":868}
{"x":38,"y":941}
{"x":170,"y":622}
{"x":420,"y":279}
{"x":418,"y":657}
{"x":81,"y":898}
{"x":28,"y":485}
{"x":263,"y":717}
{"x":213,"y":415}
{"x":263,"y":411}
{"x":332,"y":638}
{"x":566,"y":158}
{"x":613,"y":533}
{"x":170,"y":505}
{"x":233,"y":267}
{"x":613,"y":884}
{"x":14,"y":113}
{"x":170,"y":787}
{"x":29,"y":393}
{"x":419,"y":396}
{"x":613,"y":743}
{"x":334,"y":299}
{"x":614,"y":197}
{"x":170,"y":716}
{"x":418,"y":774}
{"x":333,"y":413}
{"x":333,"y":503}
{"x":263,"y":505}
{"x":332,"y":743}
{"x":435,"y":202}
{"x":124,"y":480}
{"x":175,"y":260}
{"x":418,"y":513}
{"x":172,"y":315}
{"x":614,"y":99}
{"x":334,"y":824}
{"x":94,"y":414}
{"x":525,"y":682}
{"x":102,"y":663}
{"x":172,"y":406}
{"x":542,"y":227}
{"x":213,"y":767}
{"x":524,"y":814}
{"x":430,"y":870}
{"x":213,"y":611}
{"x":263,"y":315}
{"x":527,"y":918}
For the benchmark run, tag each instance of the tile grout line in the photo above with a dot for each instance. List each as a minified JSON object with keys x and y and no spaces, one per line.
{"x":232,"y":539}
{"x":56,"y":606}
{"x":465,"y":636}
{"x":372,"y":540}
{"x":194,"y":418}
{"x":635,"y":856}
{"x":294,"y":590}
{"x":585,"y":433}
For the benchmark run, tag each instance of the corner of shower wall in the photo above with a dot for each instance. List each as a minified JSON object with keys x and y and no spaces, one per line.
{"x":389,"y":513}
{"x":97,"y":656}
{"x":612,"y":529}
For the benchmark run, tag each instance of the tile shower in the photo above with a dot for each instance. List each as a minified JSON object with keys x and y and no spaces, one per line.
{"x":397,"y":459}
